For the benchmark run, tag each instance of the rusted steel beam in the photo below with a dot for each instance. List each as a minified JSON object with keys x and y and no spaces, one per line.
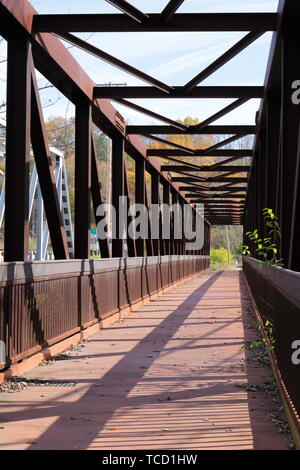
{"x":199,"y":153}
{"x":140,"y":189}
{"x":208,"y":191}
{"x":131,"y":245}
{"x":97,"y":198}
{"x":233,"y":214}
{"x":179,"y":22}
{"x":147,"y":92}
{"x":166,"y":217}
{"x":195,"y":180}
{"x":17,"y":149}
{"x":148,"y":242}
{"x":164,"y":130}
{"x":227,"y":207}
{"x":226,"y":204}
{"x":82,"y":219}
{"x":118,"y":190}
{"x":206,"y":168}
{"x":155,"y":200}
{"x":213,"y":198}
{"x":173,"y":242}
{"x":44,"y":168}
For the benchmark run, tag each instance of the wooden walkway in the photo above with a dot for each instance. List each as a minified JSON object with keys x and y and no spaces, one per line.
{"x":168,"y":376}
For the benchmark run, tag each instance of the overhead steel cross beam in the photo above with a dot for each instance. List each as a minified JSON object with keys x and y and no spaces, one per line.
{"x":226,"y":196}
{"x":213,"y":130}
{"x":224,"y":204}
{"x":147,"y":92}
{"x":184,"y":22}
{"x":194,"y":186}
{"x":179,"y":168}
{"x":226,"y":57}
{"x":209,"y":189}
{"x":164,"y":153}
{"x":129,"y":10}
{"x":218,"y":202}
{"x":85,"y":46}
{"x":205,"y":195}
{"x":207,"y":180}
{"x":212,"y":211}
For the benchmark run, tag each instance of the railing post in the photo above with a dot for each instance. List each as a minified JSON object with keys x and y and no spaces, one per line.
{"x":17,"y":149}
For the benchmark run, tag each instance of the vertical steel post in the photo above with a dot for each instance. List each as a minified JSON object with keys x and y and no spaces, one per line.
{"x":97,"y":198}
{"x":175,"y":243}
{"x":155,"y":200}
{"x":131,"y":248}
{"x":82,"y":179}
{"x":167,"y":220}
{"x":140,"y":197}
{"x":117,"y":190}
{"x":290,"y":139}
{"x":17,"y":149}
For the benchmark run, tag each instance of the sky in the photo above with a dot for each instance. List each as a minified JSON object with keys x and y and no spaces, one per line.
{"x":173,"y":58}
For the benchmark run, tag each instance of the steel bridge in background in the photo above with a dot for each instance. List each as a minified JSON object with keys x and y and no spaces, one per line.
{"x":46,"y":302}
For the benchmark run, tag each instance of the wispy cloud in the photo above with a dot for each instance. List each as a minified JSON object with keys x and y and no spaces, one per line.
{"x":189,"y":60}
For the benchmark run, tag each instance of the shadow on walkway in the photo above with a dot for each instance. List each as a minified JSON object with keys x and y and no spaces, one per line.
{"x":170,"y":380}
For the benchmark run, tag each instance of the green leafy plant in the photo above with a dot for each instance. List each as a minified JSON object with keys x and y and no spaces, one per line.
{"x":266,"y":248}
{"x":260,"y":342}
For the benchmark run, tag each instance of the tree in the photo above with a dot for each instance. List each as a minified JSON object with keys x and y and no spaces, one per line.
{"x":61,"y":134}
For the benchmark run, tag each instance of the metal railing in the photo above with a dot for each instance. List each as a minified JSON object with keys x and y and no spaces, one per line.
{"x":277,"y":296}
{"x":42,"y":303}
